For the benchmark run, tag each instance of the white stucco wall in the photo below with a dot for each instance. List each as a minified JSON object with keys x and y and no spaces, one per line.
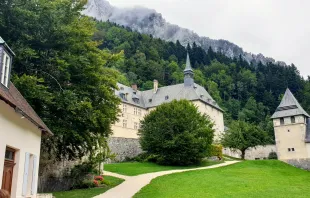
{"x":22,"y":135}
{"x":215,"y":115}
{"x":291,"y":135}
{"x":128,"y":114}
{"x":131,"y":114}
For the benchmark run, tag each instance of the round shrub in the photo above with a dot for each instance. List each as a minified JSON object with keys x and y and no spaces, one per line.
{"x":176,"y":133}
{"x":273,"y":155}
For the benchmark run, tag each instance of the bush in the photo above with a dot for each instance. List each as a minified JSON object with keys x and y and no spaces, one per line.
{"x":84,"y":184}
{"x":176,"y":133}
{"x":273,"y":155}
{"x":217,"y":150}
{"x":81,"y":175}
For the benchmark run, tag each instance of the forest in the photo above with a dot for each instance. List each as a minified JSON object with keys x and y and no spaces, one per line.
{"x":67,"y":66}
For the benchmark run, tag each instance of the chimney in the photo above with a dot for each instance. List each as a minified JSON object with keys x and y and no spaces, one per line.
{"x":155,"y":86}
{"x":134,"y":87}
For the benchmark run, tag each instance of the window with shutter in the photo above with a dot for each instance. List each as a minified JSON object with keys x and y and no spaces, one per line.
{"x":26,"y":169}
{"x":34,"y":178}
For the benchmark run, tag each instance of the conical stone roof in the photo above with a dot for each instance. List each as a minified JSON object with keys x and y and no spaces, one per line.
{"x":289,"y":106}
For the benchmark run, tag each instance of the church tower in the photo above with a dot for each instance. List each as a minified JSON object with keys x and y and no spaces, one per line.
{"x":291,"y":129}
{"x":188,"y":73}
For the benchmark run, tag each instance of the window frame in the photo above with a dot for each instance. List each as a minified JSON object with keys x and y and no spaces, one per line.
{"x":293,"y":120}
{"x":6,"y":66}
{"x":282,"y":121}
{"x":124,"y":123}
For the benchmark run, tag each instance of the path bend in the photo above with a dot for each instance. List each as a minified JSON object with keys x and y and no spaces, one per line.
{"x":133,"y":184}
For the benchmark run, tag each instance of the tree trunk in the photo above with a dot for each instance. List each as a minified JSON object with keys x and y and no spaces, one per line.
{"x":242,"y":154}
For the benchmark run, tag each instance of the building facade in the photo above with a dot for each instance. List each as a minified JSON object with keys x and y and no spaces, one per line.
{"x":20,"y":135}
{"x":292,"y":132}
{"x":136,"y":104}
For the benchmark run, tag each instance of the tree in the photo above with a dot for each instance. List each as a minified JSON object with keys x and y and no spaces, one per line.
{"x":242,"y":135}
{"x":176,"y":133}
{"x":61,"y":71}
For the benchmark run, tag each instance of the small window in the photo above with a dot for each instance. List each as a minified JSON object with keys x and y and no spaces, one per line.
{"x":135,"y":125}
{"x":257,"y":158}
{"x":135,"y":111}
{"x":281,"y":121}
{"x":166,"y":97}
{"x":150,"y":100}
{"x":125,"y":123}
{"x":288,"y":131}
{"x":292,"y":119}
{"x":124,"y":108}
{"x":139,"y":112}
{"x":293,"y":149}
{"x":9,"y":154}
{"x":289,"y":149}
{"x":122,"y":88}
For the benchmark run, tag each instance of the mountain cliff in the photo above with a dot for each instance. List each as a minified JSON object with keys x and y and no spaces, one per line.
{"x":148,"y":21}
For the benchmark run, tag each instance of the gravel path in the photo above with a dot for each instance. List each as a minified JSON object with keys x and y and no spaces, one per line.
{"x":133,"y":184}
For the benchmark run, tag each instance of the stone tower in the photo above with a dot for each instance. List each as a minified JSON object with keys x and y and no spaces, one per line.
{"x":291,"y":129}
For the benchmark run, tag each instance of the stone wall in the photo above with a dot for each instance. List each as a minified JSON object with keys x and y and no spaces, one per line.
{"x":124,"y":147}
{"x":299,"y":163}
{"x":260,"y":152}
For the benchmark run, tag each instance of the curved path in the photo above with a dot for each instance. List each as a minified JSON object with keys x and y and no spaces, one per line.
{"x":133,"y":184}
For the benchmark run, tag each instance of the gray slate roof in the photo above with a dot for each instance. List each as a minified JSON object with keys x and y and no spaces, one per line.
{"x":289,"y":106}
{"x":149,"y":99}
{"x":188,"y":64}
{"x":2,"y":42}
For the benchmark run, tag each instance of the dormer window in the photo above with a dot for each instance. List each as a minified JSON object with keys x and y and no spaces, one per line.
{"x":150,"y":100}
{"x":6,"y":55}
{"x":6,"y":61}
{"x":166,"y":97}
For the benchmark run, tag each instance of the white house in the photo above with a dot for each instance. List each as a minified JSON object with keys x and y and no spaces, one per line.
{"x":20,"y":135}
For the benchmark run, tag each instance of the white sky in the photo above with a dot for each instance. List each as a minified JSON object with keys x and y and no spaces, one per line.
{"x":276,"y":28}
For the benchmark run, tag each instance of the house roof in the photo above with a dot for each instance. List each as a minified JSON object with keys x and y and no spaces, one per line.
{"x":14,"y":98}
{"x":2,"y":42}
{"x":149,"y":99}
{"x":289,"y":106}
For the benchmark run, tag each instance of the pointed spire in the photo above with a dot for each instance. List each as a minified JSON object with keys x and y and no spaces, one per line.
{"x":188,"y":73}
{"x":188,"y":64}
{"x":289,"y":106}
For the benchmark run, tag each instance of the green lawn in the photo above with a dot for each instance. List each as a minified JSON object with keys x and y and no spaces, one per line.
{"x":88,"y":193}
{"x":266,"y":178}
{"x":137,"y":168}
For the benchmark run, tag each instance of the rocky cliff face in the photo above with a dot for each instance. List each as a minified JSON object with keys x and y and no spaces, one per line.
{"x":148,"y":21}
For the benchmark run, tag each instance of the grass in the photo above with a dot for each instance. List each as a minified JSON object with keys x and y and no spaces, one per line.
{"x":137,"y":168}
{"x":88,"y":193}
{"x":258,"y":179}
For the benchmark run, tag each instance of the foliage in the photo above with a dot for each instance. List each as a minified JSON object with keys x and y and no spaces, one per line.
{"x":184,"y":136}
{"x":81,"y":175}
{"x":61,"y":72}
{"x":96,"y":183}
{"x":242,"y":135}
{"x":137,"y":168}
{"x":101,"y":154}
{"x":272,"y":155}
{"x":217,"y":150}
{"x":111,"y":182}
{"x":255,"y":178}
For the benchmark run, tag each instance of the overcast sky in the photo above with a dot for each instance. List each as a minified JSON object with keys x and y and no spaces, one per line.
{"x":276,"y":28}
